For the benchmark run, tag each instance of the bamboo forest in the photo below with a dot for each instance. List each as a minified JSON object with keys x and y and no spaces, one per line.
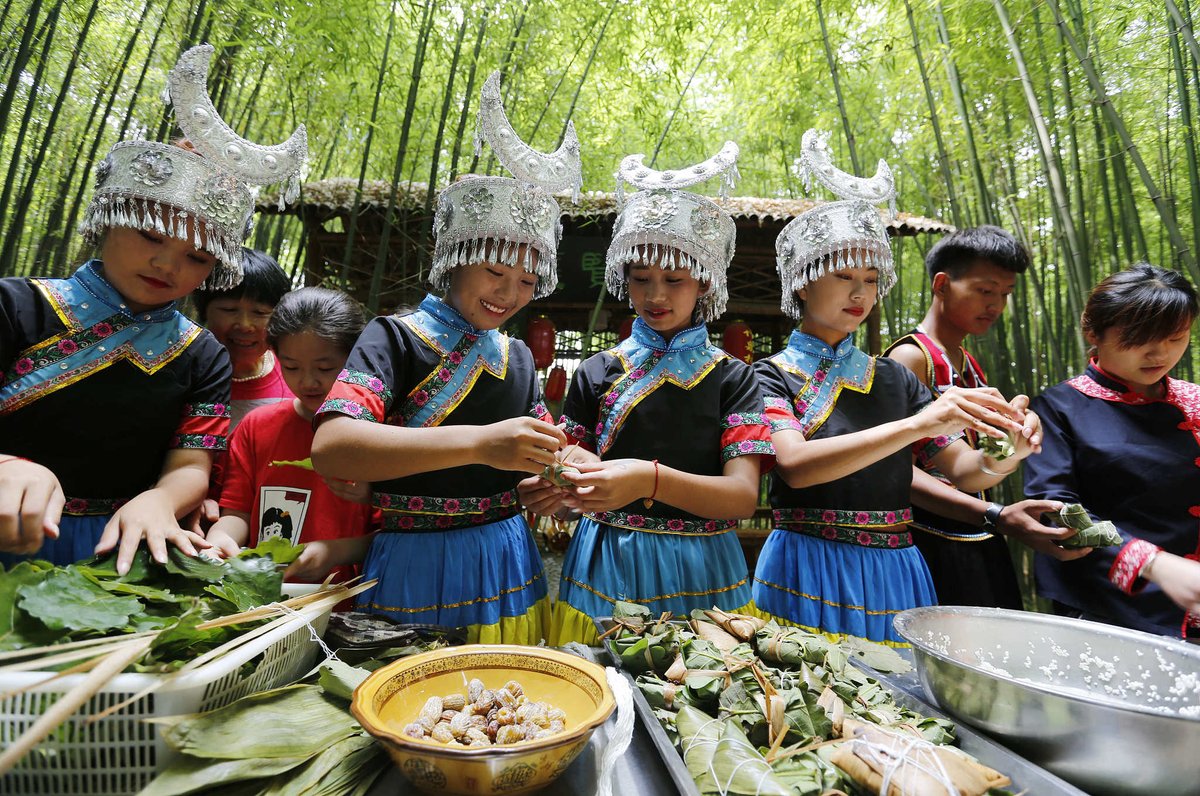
{"x":1068,"y":123}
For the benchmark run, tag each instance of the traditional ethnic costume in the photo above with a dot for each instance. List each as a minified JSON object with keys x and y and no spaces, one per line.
{"x":97,"y":393}
{"x":1134,"y":461}
{"x":841,"y":559}
{"x":454,"y":548}
{"x":969,"y":566}
{"x":683,"y":402}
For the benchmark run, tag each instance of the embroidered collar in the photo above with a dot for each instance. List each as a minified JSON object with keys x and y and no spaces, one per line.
{"x":649,"y":362}
{"x":444,"y":328}
{"x":1098,"y":383}
{"x":692,"y":338}
{"x":465,"y":353}
{"x":826,"y":370}
{"x":99,"y":329}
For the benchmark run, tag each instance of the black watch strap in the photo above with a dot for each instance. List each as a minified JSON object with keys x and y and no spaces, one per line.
{"x":991,"y":515}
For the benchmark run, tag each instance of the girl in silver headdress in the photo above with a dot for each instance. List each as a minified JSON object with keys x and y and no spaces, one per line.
{"x":442,"y":412}
{"x":845,"y":426}
{"x":675,"y":422}
{"x":111,"y":401}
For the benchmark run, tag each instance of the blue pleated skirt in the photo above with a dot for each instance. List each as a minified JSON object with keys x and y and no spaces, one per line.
{"x":662,"y":571}
{"x":77,"y":539}
{"x":462,"y":578}
{"x":840,"y":589}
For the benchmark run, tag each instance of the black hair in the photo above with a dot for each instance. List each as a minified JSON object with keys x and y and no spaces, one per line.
{"x":1144,"y":302}
{"x":329,"y":314}
{"x":958,"y":251}
{"x":263,"y":280}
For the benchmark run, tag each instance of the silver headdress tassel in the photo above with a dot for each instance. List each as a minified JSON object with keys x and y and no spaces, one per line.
{"x":159,"y":187}
{"x":501,"y":219}
{"x":672,"y":228}
{"x":848,"y":233}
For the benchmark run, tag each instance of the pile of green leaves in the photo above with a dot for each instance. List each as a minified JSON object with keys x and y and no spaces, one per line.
{"x":300,"y":740}
{"x":41,"y":604}
{"x":715,"y":702}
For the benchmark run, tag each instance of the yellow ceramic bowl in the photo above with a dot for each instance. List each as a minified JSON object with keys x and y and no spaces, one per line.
{"x":393,"y":696}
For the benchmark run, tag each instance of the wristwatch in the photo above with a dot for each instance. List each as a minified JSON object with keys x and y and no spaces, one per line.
{"x":991,"y":516}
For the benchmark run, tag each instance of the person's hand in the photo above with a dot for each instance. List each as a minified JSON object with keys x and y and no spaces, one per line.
{"x":1029,"y":438}
{"x":604,"y":486}
{"x":540,"y":496}
{"x":31,"y":505}
{"x":982,"y":409}
{"x":522,"y":443}
{"x":203,"y":517}
{"x":313,"y":563}
{"x":148,"y":516}
{"x":1023,"y":522}
{"x":223,"y":546}
{"x":1178,"y":577}
{"x":353,"y":491}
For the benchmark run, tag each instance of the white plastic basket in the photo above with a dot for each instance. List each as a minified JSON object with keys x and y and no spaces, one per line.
{"x":118,"y":755}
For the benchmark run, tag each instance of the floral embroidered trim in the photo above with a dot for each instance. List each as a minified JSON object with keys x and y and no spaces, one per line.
{"x":1128,"y":565}
{"x":372,"y":383}
{"x":422,"y":513}
{"x":846,"y":518}
{"x":578,"y":432}
{"x":437,"y":381}
{"x":893,"y":539}
{"x":674,"y":525}
{"x":87,"y":507}
{"x":747,"y":447}
{"x":813,"y":404}
{"x":211,"y":442}
{"x":57,"y":348}
{"x":926,"y":449}
{"x":348,"y":407}
{"x":744,"y":419}
{"x":541,"y":412}
{"x":206,"y":410}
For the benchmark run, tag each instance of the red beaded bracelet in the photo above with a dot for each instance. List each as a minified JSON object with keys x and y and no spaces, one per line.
{"x":648,"y":502}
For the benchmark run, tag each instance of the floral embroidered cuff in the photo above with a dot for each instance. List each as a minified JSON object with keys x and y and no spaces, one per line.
{"x":541,"y":412}
{"x":204,"y":426}
{"x":578,"y":433}
{"x":926,"y":449}
{"x":1126,"y":569}
{"x":359,"y":396}
{"x":779,"y":415}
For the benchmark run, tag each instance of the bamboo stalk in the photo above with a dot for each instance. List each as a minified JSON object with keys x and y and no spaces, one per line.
{"x":1165,"y":211}
{"x":943,"y":158}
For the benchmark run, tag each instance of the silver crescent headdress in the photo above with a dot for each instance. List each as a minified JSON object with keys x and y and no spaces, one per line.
{"x":505,"y":220}
{"x":157,"y":187}
{"x":848,"y":233}
{"x":672,"y":228}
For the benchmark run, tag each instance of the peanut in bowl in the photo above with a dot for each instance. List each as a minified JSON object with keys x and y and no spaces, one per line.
{"x":391,"y":698}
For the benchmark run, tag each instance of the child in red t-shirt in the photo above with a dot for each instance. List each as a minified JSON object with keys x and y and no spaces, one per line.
{"x":270,"y":486}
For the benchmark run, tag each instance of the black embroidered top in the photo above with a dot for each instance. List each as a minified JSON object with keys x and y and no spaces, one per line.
{"x":1130,"y":460}
{"x":432,"y":368}
{"x":825,"y":391}
{"x":99,"y":394}
{"x":686,"y":403}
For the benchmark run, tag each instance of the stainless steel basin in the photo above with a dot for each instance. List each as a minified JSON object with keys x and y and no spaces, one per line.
{"x":1113,"y":711}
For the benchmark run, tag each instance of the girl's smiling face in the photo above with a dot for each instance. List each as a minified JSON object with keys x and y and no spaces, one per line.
{"x":664,"y":299}
{"x":150,"y":270}
{"x":240,"y":324}
{"x":837,"y":303}
{"x":488,"y":295}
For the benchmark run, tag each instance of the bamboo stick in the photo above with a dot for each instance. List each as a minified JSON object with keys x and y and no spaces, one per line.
{"x":71,"y":701}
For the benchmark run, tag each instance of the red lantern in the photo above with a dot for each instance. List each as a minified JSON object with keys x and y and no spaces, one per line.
{"x":556,"y":384}
{"x":738,"y":341}
{"x":625,"y":329}
{"x":539,"y":336}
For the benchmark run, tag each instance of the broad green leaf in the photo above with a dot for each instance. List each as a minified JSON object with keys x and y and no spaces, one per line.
{"x":186,"y":774}
{"x":67,"y":599}
{"x":194,"y":567}
{"x":279,"y":549}
{"x":339,"y":679}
